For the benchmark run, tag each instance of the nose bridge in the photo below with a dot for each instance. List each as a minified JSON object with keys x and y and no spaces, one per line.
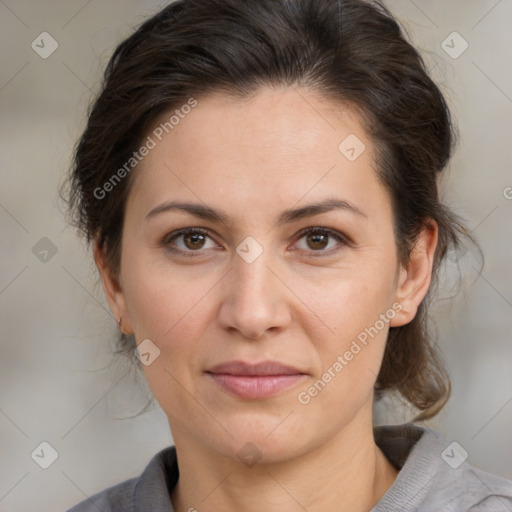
{"x":252,"y":279}
{"x":250,"y":266}
{"x":254,"y":301}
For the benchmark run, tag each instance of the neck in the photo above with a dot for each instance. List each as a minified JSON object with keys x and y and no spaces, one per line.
{"x":347,"y":473}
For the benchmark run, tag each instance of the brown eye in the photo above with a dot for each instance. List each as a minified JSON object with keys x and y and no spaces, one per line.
{"x":194,"y":240}
{"x":321,"y":240}
{"x":188,"y":241}
{"x":317,"y":240}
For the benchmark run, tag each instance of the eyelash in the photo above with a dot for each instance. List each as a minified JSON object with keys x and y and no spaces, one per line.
{"x":312,"y":230}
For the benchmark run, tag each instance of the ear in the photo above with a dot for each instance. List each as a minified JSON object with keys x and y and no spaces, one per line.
{"x":113,"y":291}
{"x":414,"y":279}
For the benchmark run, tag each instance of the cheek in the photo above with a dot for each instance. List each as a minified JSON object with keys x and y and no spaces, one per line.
{"x":344,"y":303}
{"x":352,"y":311}
{"x":350,"y":354}
{"x":168,"y":306}
{"x":163,"y":299}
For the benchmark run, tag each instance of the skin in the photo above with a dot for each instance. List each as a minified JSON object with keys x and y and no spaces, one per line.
{"x":253,"y":159}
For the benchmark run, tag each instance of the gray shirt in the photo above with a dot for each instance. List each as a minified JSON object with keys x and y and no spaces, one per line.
{"x":433,"y":477}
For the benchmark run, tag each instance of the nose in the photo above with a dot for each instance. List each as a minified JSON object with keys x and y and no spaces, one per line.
{"x":255,"y":300}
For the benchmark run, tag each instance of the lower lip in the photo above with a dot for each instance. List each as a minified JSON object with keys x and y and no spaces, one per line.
{"x":245,"y":386}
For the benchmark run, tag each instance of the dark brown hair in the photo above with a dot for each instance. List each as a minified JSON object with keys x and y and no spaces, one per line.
{"x":351,"y":51}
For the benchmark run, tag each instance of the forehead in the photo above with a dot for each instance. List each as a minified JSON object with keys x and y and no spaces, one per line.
{"x":272,"y":150}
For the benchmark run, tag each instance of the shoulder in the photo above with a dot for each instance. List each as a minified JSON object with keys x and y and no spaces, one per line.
{"x":435,"y":475}
{"x":479,"y":490}
{"x":118,"y":497}
{"x":149,"y":491}
{"x":470,"y":489}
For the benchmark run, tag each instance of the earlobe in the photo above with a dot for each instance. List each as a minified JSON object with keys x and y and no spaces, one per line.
{"x":414,"y":279}
{"x":113,"y":291}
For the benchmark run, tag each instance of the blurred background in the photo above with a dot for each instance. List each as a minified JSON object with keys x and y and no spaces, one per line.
{"x":57,"y":383}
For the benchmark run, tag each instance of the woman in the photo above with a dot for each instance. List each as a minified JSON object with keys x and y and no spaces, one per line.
{"x":258,"y":180}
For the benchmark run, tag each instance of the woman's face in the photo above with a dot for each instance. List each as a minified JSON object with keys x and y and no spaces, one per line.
{"x":255,"y":284}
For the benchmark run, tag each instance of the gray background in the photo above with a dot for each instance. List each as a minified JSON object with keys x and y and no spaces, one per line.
{"x":56,"y":381}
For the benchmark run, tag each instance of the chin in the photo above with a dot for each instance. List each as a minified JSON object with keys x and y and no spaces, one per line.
{"x":259,"y":440}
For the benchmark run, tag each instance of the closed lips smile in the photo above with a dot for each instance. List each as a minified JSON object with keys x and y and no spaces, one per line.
{"x":261,"y":380}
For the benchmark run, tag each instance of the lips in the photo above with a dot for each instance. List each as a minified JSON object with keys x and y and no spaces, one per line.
{"x":255,"y":381}
{"x":260,"y":369}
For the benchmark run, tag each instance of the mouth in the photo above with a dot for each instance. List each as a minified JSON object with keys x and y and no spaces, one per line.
{"x":254,"y":381}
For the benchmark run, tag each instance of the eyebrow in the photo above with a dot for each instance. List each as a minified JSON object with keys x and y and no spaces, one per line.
{"x":287,"y":216}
